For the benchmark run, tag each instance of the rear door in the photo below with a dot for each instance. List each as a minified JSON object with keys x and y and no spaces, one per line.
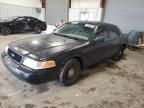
{"x":32,"y":22}
{"x":114,"y":38}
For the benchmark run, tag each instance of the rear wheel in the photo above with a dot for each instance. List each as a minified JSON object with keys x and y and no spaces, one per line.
{"x":131,"y":48}
{"x":119,"y":54}
{"x":70,"y":72}
{"x":5,"y":30}
{"x":37,"y":29}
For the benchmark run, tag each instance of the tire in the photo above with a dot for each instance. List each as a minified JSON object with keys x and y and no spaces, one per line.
{"x":37,"y":29}
{"x":131,"y":48}
{"x":69,"y":74}
{"x":5,"y":30}
{"x":119,"y":54}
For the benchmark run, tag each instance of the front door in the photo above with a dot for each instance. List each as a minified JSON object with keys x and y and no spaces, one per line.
{"x":20,"y":24}
{"x":114,"y":37}
{"x":98,"y":51}
{"x":101,"y":50}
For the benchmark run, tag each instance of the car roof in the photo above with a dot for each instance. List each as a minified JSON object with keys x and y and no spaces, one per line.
{"x":95,"y":23}
{"x":24,"y":17}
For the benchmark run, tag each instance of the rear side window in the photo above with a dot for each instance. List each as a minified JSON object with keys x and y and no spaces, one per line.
{"x":32,"y":20}
{"x":113,"y":34}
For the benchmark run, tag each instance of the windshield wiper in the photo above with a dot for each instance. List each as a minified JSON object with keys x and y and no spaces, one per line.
{"x":74,"y":38}
{"x":60,"y":34}
{"x":64,"y":35}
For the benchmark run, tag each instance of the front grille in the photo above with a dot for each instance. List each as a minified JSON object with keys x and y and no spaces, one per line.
{"x":15,"y":56}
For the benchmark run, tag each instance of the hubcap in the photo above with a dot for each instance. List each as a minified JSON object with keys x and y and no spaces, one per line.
{"x":71,"y":73}
{"x":7,"y":31}
{"x":120,"y":53}
{"x":39,"y":30}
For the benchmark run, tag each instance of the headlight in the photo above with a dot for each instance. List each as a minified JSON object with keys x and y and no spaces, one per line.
{"x":6,"y":48}
{"x":38,"y":64}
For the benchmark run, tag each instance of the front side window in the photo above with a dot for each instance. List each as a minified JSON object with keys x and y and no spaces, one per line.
{"x":102,"y":32}
{"x":20,"y":19}
{"x":76,"y":30}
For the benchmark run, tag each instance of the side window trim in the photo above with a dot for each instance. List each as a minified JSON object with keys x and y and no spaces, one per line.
{"x":104,"y":28}
{"x":114,"y":30}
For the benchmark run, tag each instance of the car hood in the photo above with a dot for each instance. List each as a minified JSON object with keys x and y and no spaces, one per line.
{"x":44,"y":46}
{"x":4,"y":21}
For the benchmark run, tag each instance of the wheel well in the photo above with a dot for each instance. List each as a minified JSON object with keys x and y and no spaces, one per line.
{"x":38,"y":25}
{"x":79,"y":60}
{"x":4,"y":26}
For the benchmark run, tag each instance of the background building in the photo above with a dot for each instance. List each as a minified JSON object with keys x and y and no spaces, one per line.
{"x":128,"y":15}
{"x":10,"y":8}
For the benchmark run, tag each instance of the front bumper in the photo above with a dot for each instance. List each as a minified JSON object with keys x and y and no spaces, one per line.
{"x":27,"y":74}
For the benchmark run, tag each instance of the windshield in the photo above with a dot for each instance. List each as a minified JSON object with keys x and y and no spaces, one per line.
{"x":76,"y":30}
{"x":10,"y":18}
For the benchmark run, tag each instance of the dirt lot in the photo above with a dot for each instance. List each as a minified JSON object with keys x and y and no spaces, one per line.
{"x":107,"y":85}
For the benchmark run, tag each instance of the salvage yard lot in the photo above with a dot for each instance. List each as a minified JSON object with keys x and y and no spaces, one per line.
{"x":106,"y":85}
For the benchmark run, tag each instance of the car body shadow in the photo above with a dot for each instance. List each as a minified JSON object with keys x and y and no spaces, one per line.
{"x":101,"y":67}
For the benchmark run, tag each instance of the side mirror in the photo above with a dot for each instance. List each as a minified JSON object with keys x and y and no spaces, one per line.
{"x":99,"y":39}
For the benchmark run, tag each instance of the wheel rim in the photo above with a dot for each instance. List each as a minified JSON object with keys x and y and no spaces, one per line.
{"x":71,"y":73}
{"x":38,"y":29}
{"x":120,"y":52}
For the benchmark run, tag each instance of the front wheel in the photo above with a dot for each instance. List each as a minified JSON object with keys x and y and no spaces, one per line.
{"x":70,"y":72}
{"x":5,"y":30}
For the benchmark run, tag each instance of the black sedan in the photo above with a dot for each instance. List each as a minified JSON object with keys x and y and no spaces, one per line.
{"x":64,"y":53}
{"x":21,"y":24}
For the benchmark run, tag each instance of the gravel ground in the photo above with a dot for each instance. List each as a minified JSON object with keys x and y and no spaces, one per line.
{"x":107,"y":85}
